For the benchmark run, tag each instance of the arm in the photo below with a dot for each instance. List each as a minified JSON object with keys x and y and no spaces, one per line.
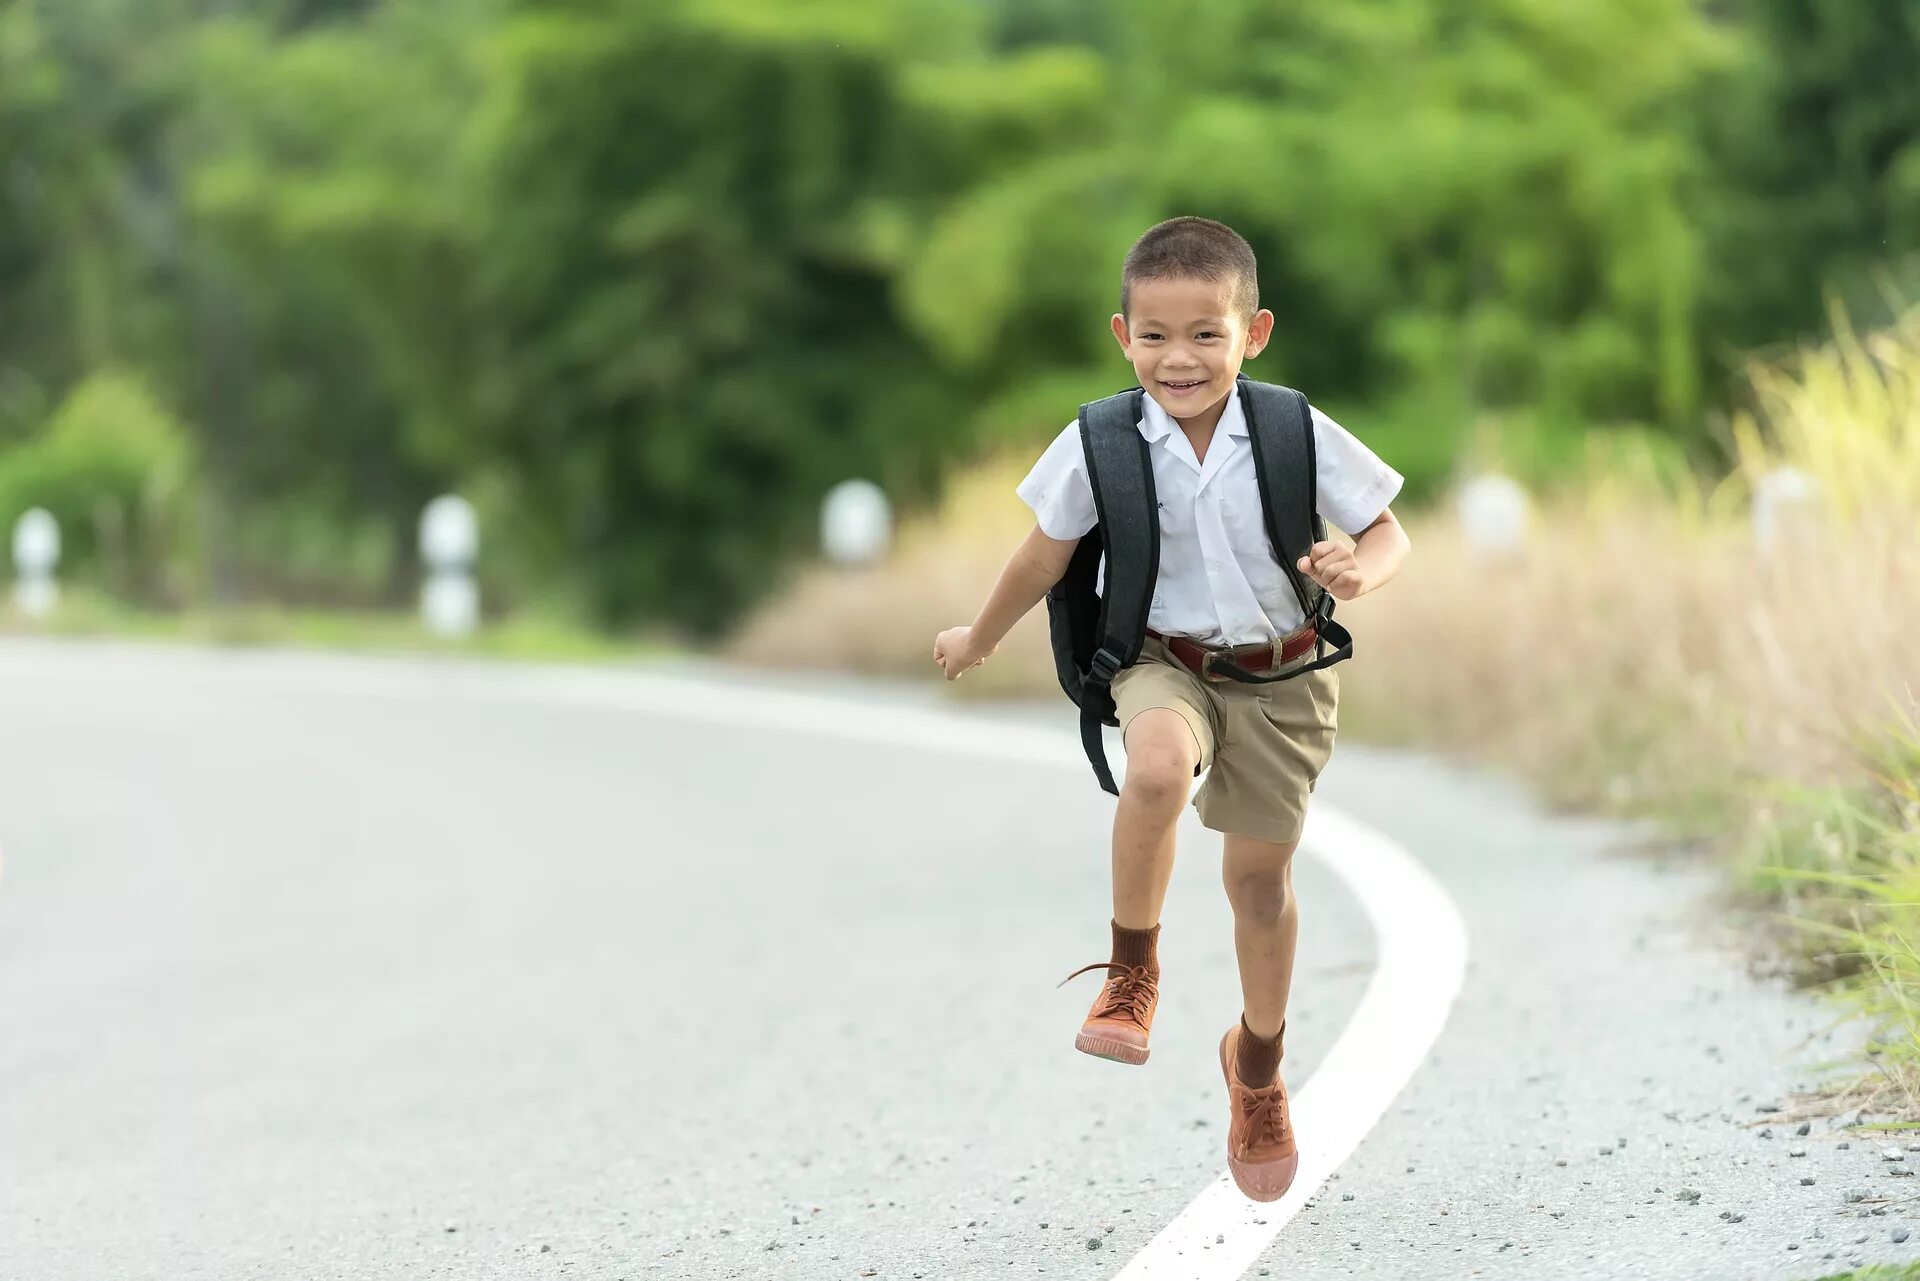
{"x":1374,"y":559}
{"x":1036,"y":565}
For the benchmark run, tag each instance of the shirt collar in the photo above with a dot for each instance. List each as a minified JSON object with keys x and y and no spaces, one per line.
{"x":1234,"y":417}
{"x":1156,"y":423}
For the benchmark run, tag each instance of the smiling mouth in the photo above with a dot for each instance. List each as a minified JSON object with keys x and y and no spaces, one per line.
{"x":1183,"y":387}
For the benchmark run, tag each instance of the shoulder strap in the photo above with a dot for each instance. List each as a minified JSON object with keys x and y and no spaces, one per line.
{"x":1127,"y":510}
{"x":1280,"y":429}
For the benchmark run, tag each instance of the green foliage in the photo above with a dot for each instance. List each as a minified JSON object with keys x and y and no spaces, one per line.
{"x":681,"y":265}
{"x":648,"y":276}
{"x":1478,"y":206}
{"x":329,"y":288}
{"x":79,"y":119}
{"x":1818,"y":143}
{"x":1843,"y":867}
{"x":113,"y":468}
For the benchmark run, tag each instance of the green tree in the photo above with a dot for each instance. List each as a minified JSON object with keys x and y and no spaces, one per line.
{"x":1819,"y":144}
{"x":690,"y":254}
{"x":328,"y":286}
{"x":83,"y":110}
{"x":114,"y":468}
{"x":1473,"y":207}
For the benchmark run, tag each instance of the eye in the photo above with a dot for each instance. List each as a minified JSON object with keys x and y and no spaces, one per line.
{"x":1206,"y":333}
{"x":1149,"y":337}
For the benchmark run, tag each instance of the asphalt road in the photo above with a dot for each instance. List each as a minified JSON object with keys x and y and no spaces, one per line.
{"x":358,"y":968}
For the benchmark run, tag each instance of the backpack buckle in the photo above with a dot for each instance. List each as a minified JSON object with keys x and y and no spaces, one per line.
{"x":1104,"y":666}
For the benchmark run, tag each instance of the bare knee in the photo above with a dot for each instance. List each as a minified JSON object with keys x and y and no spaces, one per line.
{"x":1260,"y":890}
{"x":1159,"y":779}
{"x":1161,"y":757}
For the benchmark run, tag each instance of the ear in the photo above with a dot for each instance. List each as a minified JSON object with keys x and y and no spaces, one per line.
{"x":1123,"y":335}
{"x":1259,"y":330}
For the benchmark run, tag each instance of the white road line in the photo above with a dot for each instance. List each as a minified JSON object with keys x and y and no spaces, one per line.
{"x":1422,"y":939}
{"x":1423,"y":960}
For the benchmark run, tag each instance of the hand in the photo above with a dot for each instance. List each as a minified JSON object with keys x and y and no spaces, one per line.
{"x":954,"y":650}
{"x":1332,"y":566}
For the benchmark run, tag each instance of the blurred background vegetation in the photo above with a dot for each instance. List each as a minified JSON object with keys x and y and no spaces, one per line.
{"x":644,"y":278}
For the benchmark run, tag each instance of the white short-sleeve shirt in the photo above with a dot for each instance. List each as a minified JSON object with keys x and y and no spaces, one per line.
{"x":1219,"y":582}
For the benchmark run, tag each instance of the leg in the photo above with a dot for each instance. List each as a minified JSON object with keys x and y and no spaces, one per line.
{"x":1266,"y":927}
{"x":1282,"y":738}
{"x":1261,"y":1151}
{"x":1167,"y":737}
{"x":1161,"y":757}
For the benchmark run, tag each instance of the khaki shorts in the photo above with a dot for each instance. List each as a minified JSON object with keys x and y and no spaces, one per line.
{"x":1263,"y":746}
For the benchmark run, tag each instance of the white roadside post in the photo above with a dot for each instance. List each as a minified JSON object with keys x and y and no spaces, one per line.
{"x":1492,"y":511}
{"x":449,"y":544}
{"x":1786,"y":509}
{"x":36,"y":552}
{"x":856,"y":523}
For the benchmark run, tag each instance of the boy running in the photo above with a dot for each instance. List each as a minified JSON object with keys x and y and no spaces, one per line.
{"x":1189,"y":316}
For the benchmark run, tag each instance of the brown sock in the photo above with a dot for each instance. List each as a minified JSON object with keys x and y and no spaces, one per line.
{"x":1256,"y":1061}
{"x":1136,"y":947}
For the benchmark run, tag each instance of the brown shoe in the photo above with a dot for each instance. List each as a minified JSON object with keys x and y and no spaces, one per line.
{"x":1260,"y":1149}
{"x":1116,"y":1026}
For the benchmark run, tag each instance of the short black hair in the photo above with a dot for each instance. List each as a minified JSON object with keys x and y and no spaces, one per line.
{"x":1193,"y":248}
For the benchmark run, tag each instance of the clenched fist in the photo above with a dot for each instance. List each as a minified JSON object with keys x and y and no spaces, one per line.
{"x":1332,"y":565}
{"x":954,"y":650}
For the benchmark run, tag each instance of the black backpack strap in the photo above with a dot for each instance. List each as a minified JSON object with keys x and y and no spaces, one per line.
{"x":1280,"y":429}
{"x":1127,"y":510}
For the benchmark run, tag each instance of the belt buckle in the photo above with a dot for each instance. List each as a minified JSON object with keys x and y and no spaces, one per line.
{"x":1208,"y":654}
{"x":1206,"y":663}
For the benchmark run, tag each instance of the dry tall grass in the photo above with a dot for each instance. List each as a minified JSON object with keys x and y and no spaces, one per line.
{"x":1636,"y":653}
{"x":881,"y":620}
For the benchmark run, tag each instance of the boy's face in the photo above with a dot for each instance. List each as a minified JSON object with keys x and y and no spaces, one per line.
{"x":1186,"y":340}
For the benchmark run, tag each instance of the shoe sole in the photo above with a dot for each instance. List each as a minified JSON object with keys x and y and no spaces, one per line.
{"x":1262,"y":1180}
{"x":1106,"y":1047}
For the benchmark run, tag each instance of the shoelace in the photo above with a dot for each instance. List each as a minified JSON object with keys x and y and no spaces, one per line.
{"x":1128,"y":993}
{"x":1266,"y":1117}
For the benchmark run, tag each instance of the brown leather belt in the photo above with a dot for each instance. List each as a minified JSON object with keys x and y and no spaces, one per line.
{"x":1255,"y":658}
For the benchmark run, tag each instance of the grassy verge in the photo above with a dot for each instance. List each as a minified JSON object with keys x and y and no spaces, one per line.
{"x":1879,"y":1272}
{"x":531,"y":637}
{"x":1642,"y":656}
{"x":1839,"y":872}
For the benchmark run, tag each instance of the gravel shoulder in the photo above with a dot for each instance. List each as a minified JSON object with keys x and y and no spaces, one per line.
{"x":1600,"y":1103}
